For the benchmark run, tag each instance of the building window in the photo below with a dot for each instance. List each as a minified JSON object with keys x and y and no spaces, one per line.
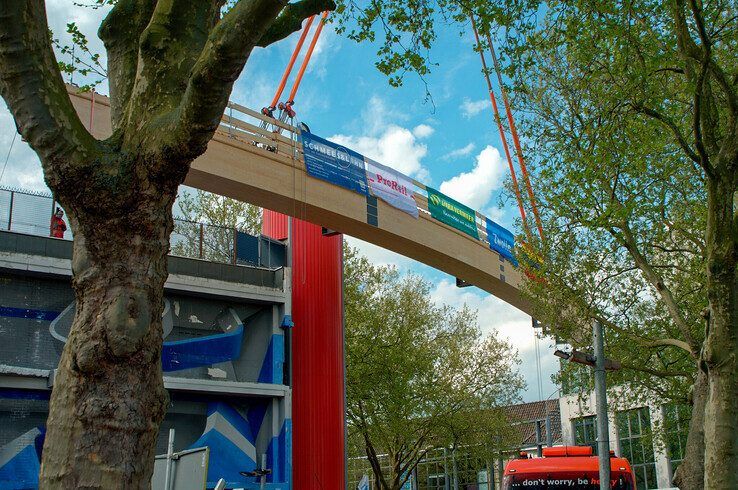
{"x":585,"y":432}
{"x":437,"y":482}
{"x":636,"y":444}
{"x":676,"y":428}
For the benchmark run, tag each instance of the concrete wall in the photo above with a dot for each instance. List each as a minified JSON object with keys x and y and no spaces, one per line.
{"x":245,"y":391}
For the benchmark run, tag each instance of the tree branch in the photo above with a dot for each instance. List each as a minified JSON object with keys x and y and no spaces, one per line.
{"x":291,"y":17}
{"x":32,"y":86}
{"x":120,"y":32}
{"x":669,"y":342}
{"x":653,"y":277}
{"x":219,"y":65}
{"x":654,"y":114}
{"x":657,"y":372}
{"x":699,"y":141}
{"x":176,"y":34}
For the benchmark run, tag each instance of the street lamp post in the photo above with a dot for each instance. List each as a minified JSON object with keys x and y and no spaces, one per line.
{"x":600,"y":365}
{"x":603,"y":434}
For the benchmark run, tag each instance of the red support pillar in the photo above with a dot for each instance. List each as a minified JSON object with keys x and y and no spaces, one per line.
{"x":318,"y":403}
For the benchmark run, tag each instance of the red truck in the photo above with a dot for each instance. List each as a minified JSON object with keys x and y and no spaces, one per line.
{"x":565,"y":467}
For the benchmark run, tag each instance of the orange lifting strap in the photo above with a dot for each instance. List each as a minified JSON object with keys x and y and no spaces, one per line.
{"x":516,"y":140}
{"x":305,"y":62}
{"x":286,"y":107}
{"x":516,"y":187}
{"x":291,"y":63}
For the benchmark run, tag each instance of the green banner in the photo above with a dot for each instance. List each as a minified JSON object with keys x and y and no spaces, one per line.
{"x":451,"y":212}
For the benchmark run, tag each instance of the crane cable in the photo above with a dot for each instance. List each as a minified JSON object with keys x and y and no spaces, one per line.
{"x":516,"y":140}
{"x":505,"y":146}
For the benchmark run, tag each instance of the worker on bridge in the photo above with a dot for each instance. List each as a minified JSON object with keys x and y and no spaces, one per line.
{"x":57,"y":226}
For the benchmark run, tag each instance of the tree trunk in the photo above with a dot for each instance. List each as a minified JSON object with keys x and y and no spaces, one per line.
{"x":691,"y":471}
{"x":721,"y":343}
{"x":109,"y":396}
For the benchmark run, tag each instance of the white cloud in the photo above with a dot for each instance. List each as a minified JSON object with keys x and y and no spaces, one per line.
{"x":23,"y":169}
{"x":423,"y":131}
{"x":460,"y":152}
{"x":471,"y":108}
{"x":475,"y":188}
{"x":388,"y":143}
{"x":493,"y":314}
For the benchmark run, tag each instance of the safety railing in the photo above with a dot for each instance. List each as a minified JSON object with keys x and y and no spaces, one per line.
{"x":280,"y":141}
{"x":440,"y":469}
{"x":28,"y":212}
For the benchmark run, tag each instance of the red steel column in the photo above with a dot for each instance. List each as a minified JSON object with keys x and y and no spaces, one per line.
{"x":318,"y":411}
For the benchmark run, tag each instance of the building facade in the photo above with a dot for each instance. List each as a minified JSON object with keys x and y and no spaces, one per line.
{"x":533,"y":425}
{"x":650,"y":433}
{"x":225,"y":356}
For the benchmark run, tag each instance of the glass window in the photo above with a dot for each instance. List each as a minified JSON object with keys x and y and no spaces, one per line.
{"x":437,"y":482}
{"x":636,"y":444}
{"x":585,"y":432}
{"x":676,"y":428}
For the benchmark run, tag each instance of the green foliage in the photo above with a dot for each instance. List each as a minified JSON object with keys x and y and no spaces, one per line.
{"x":419,"y":375}
{"x":606,"y":102}
{"x":82,"y":60}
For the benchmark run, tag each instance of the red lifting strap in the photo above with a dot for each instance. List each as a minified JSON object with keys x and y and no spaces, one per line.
{"x":516,"y":187}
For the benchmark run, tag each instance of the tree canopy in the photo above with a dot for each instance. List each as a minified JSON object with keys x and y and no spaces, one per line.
{"x":630,"y":116}
{"x":419,"y":375}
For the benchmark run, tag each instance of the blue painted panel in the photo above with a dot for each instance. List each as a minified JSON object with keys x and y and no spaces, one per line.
{"x":234,"y":417}
{"x":257,"y":412}
{"x":247,"y":248}
{"x":23,"y":461}
{"x":272,"y":368}
{"x":279,"y":455}
{"x":44,"y":315}
{"x":226,"y":460}
{"x":24,"y":394}
{"x":21,"y":472}
{"x":202,"y":351}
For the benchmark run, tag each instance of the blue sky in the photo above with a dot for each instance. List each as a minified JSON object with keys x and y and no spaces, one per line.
{"x":452,"y":144}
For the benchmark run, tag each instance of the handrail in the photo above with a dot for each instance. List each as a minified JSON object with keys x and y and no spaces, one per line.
{"x":261,"y":135}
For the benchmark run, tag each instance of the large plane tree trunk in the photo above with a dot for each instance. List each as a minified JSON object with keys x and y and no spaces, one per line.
{"x":109,"y":397}
{"x":171,"y":67}
{"x":690,"y":474}
{"x":721,"y":343}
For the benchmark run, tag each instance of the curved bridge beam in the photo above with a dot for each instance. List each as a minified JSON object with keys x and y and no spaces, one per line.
{"x":238,"y":164}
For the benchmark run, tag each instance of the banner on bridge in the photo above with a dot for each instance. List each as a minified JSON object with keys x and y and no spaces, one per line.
{"x":451,"y":212}
{"x":501,"y":241}
{"x":391,"y":186}
{"x":334,"y":163}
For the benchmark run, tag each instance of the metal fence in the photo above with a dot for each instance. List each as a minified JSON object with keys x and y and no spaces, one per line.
{"x":27,"y":212}
{"x":30,"y":212}
{"x":440,"y":469}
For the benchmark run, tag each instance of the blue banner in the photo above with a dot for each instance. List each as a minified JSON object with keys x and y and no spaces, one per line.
{"x":501,"y":241}
{"x":334,"y":163}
